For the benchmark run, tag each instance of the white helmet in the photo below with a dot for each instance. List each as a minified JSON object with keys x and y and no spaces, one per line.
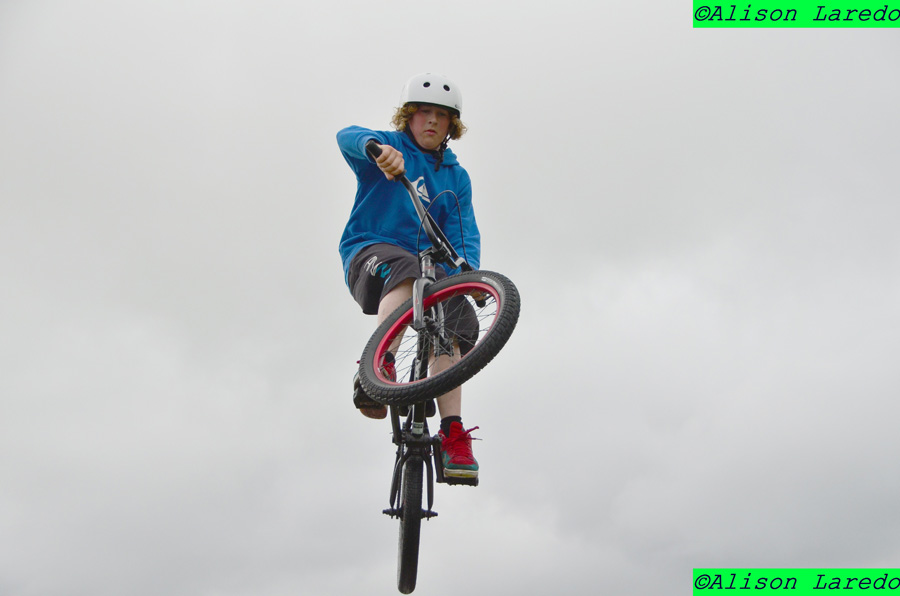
{"x":432,"y":88}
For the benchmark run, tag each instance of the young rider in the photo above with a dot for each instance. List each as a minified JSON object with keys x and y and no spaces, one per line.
{"x":380,"y":243}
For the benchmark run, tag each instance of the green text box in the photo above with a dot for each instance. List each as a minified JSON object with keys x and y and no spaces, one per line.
{"x":797,"y":14}
{"x":797,"y":582}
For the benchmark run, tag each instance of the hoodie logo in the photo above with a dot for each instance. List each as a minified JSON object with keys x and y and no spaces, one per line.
{"x":421,"y":190}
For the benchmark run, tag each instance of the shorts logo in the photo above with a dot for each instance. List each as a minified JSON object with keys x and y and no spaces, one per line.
{"x":375,"y":269}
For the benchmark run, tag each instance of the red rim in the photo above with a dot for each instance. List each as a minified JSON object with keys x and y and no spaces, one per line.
{"x":406,"y":319}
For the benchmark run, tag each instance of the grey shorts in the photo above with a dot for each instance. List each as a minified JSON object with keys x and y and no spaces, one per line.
{"x":379,"y":268}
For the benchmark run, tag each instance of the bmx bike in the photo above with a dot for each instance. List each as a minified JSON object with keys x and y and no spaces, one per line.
{"x":440,"y":338}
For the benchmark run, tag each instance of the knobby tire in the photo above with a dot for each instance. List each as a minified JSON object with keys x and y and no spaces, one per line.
{"x":410,"y":525}
{"x":460,"y":297}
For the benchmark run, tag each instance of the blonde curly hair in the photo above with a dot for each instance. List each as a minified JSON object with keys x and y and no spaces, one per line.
{"x":401,"y":120}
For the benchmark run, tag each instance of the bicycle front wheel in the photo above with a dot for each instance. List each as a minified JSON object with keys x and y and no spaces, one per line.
{"x":476,"y":312}
{"x":410,"y":525}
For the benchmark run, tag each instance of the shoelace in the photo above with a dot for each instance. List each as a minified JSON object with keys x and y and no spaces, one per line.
{"x":461,"y":444}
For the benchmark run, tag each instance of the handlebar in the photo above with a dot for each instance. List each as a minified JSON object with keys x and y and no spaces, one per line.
{"x":441,"y":245}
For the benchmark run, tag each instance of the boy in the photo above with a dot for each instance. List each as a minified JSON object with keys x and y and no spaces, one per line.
{"x":379,"y":246}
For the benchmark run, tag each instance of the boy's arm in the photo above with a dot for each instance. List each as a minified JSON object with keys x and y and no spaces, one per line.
{"x":471,"y":237}
{"x":352,"y":142}
{"x":471,"y":234}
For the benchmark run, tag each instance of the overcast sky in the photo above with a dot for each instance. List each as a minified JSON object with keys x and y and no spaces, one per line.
{"x":702,"y":224}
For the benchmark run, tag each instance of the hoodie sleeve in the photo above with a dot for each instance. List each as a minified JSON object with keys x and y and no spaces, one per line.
{"x":352,"y":143}
{"x":469,"y":245}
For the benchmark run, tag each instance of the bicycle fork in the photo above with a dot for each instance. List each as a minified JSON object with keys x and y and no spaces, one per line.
{"x":428,"y":324}
{"x":412,"y":444}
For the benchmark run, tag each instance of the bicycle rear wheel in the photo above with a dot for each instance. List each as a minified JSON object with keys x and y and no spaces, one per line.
{"x":410,"y":525}
{"x":480,"y":311}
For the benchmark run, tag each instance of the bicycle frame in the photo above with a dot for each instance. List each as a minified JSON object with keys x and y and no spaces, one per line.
{"x":412,"y":438}
{"x":440,"y":252}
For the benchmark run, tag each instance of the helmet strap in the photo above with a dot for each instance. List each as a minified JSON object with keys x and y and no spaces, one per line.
{"x":439,"y":154}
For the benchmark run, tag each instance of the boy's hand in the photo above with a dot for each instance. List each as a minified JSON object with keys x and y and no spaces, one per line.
{"x":390,"y":162}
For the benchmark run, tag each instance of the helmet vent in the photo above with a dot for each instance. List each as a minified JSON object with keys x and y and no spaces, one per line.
{"x":446,"y":87}
{"x":426,"y":84}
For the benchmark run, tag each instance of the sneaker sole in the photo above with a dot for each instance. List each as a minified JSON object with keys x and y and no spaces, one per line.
{"x":460,"y":473}
{"x":374,"y":413}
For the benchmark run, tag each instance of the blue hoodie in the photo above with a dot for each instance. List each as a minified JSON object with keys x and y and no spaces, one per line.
{"x":383,"y":211}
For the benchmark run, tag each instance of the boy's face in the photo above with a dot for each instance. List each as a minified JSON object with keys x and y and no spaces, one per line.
{"x":429,"y":125}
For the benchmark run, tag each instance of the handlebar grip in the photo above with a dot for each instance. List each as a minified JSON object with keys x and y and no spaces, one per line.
{"x":373,"y":149}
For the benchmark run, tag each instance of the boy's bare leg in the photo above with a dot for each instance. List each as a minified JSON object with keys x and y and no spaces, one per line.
{"x":449,"y":404}
{"x":394,"y":298}
{"x":389,"y":304}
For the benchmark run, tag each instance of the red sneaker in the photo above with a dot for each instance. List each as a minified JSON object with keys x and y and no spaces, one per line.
{"x":456,"y":452}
